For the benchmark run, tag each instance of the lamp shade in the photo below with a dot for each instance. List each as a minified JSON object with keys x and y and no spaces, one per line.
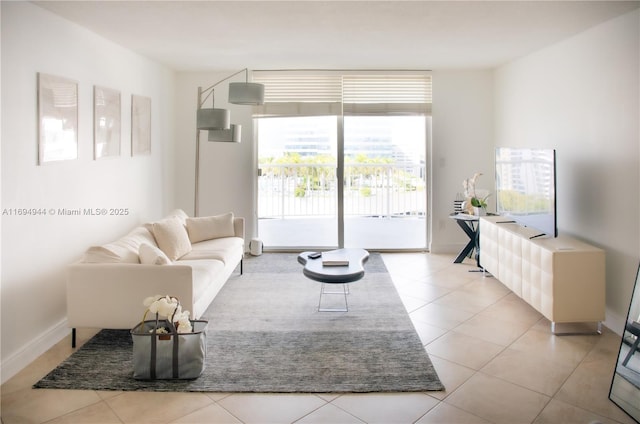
{"x":231,"y":135}
{"x":246,"y":93}
{"x":213,"y":119}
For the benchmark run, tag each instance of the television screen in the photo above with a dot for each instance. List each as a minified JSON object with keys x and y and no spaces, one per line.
{"x":526,"y":187}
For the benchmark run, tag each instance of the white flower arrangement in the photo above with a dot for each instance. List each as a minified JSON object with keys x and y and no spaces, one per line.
{"x":472,"y":199}
{"x":170,"y":308}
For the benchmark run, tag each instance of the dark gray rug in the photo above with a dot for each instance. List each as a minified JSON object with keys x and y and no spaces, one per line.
{"x":265,"y":335}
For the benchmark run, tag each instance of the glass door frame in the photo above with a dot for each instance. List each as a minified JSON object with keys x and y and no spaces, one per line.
{"x":340,"y":188}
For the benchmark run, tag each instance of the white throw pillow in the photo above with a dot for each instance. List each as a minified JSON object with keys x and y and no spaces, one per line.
{"x":124,"y":249}
{"x":151,"y":255}
{"x":172,"y":237}
{"x":210,"y":227}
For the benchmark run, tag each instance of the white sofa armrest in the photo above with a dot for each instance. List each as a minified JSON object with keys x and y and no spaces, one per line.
{"x":123,"y":287}
{"x":238,"y":227}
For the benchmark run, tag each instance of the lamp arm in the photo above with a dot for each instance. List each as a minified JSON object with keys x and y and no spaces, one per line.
{"x":210,"y":89}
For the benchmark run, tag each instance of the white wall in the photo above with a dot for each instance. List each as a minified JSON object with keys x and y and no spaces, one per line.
{"x":462,"y":145}
{"x":36,"y":249}
{"x":580,"y":97}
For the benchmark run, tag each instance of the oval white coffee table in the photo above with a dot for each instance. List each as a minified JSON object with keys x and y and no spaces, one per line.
{"x":341,"y":274}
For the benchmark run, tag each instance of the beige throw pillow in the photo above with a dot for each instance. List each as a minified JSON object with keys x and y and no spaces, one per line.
{"x":177,"y":213}
{"x":124,"y":249}
{"x":171,"y":237}
{"x":151,"y":255}
{"x":210,"y":227}
{"x":180,"y":214}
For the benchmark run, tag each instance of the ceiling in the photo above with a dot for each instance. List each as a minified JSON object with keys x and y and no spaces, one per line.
{"x":209,"y":35}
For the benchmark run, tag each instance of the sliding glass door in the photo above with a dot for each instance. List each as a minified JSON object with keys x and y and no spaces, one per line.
{"x":342,"y":159}
{"x":297,"y":182}
{"x":385,"y":195}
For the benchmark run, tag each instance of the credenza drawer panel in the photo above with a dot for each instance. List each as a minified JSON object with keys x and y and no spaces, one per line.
{"x":562,"y":278}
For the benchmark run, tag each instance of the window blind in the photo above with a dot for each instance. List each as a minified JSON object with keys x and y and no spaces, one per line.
{"x":307,"y":93}
{"x":387,"y":94}
{"x":299,"y":93}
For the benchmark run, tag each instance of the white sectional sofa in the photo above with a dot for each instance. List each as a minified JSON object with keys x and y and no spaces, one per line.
{"x":189,"y":258}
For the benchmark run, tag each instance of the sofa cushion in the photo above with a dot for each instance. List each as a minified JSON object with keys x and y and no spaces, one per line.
{"x":204,"y":273}
{"x":210,"y":227}
{"x":177,"y":213}
{"x":123,"y":250}
{"x":223,"y":249}
{"x":180,"y":214}
{"x":172,"y":237}
{"x":151,"y":255}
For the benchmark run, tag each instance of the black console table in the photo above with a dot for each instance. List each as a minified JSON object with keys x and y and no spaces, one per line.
{"x":469,"y":224}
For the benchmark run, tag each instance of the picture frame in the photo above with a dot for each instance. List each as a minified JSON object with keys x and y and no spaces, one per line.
{"x":140,"y":125}
{"x":106,"y":122}
{"x":57,"y":118}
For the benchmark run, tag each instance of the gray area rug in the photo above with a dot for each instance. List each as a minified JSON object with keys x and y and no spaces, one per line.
{"x":265,"y":335}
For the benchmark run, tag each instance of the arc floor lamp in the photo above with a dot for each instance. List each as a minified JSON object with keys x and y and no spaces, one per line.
{"x":217,"y":122}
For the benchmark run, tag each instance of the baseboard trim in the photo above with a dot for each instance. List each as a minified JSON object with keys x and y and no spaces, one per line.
{"x":614,"y":322}
{"x":446,"y":248}
{"x":30,"y":352}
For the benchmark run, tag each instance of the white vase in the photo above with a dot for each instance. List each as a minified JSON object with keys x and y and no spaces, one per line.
{"x":478,"y":211}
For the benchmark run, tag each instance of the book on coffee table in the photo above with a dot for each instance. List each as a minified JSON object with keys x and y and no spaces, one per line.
{"x":334,"y":259}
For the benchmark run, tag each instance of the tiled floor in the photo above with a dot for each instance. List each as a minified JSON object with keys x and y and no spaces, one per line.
{"x":494,"y":354}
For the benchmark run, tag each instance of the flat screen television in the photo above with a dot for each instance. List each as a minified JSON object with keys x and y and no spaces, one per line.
{"x":526,"y":188}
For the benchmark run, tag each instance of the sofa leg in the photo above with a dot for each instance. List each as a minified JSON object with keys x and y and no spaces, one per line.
{"x":241,"y":266}
{"x":73,"y":337}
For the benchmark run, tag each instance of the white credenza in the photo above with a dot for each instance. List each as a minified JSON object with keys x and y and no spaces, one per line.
{"x":562,"y":278}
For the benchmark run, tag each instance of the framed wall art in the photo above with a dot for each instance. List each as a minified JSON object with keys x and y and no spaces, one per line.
{"x":140,"y":125}
{"x":57,"y":118}
{"x":106,"y":122}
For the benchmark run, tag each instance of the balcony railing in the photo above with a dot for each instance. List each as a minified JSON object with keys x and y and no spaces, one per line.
{"x":310,"y":190}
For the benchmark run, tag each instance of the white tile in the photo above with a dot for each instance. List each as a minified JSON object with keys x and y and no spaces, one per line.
{"x":386,"y":408}
{"x":212,"y":414}
{"x":465,"y":300}
{"x":156,"y":407}
{"x":329,"y":414}
{"x":494,"y":330}
{"x":428,"y":333}
{"x":531,"y":371}
{"x":422,"y":291}
{"x":498,"y":401}
{"x":464,"y":350}
{"x":560,"y":412}
{"x":40,"y":405}
{"x":451,"y":375}
{"x":98,"y":413}
{"x":440,"y":316}
{"x":449,"y":414}
{"x":411,"y":303}
{"x":271,"y":408}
